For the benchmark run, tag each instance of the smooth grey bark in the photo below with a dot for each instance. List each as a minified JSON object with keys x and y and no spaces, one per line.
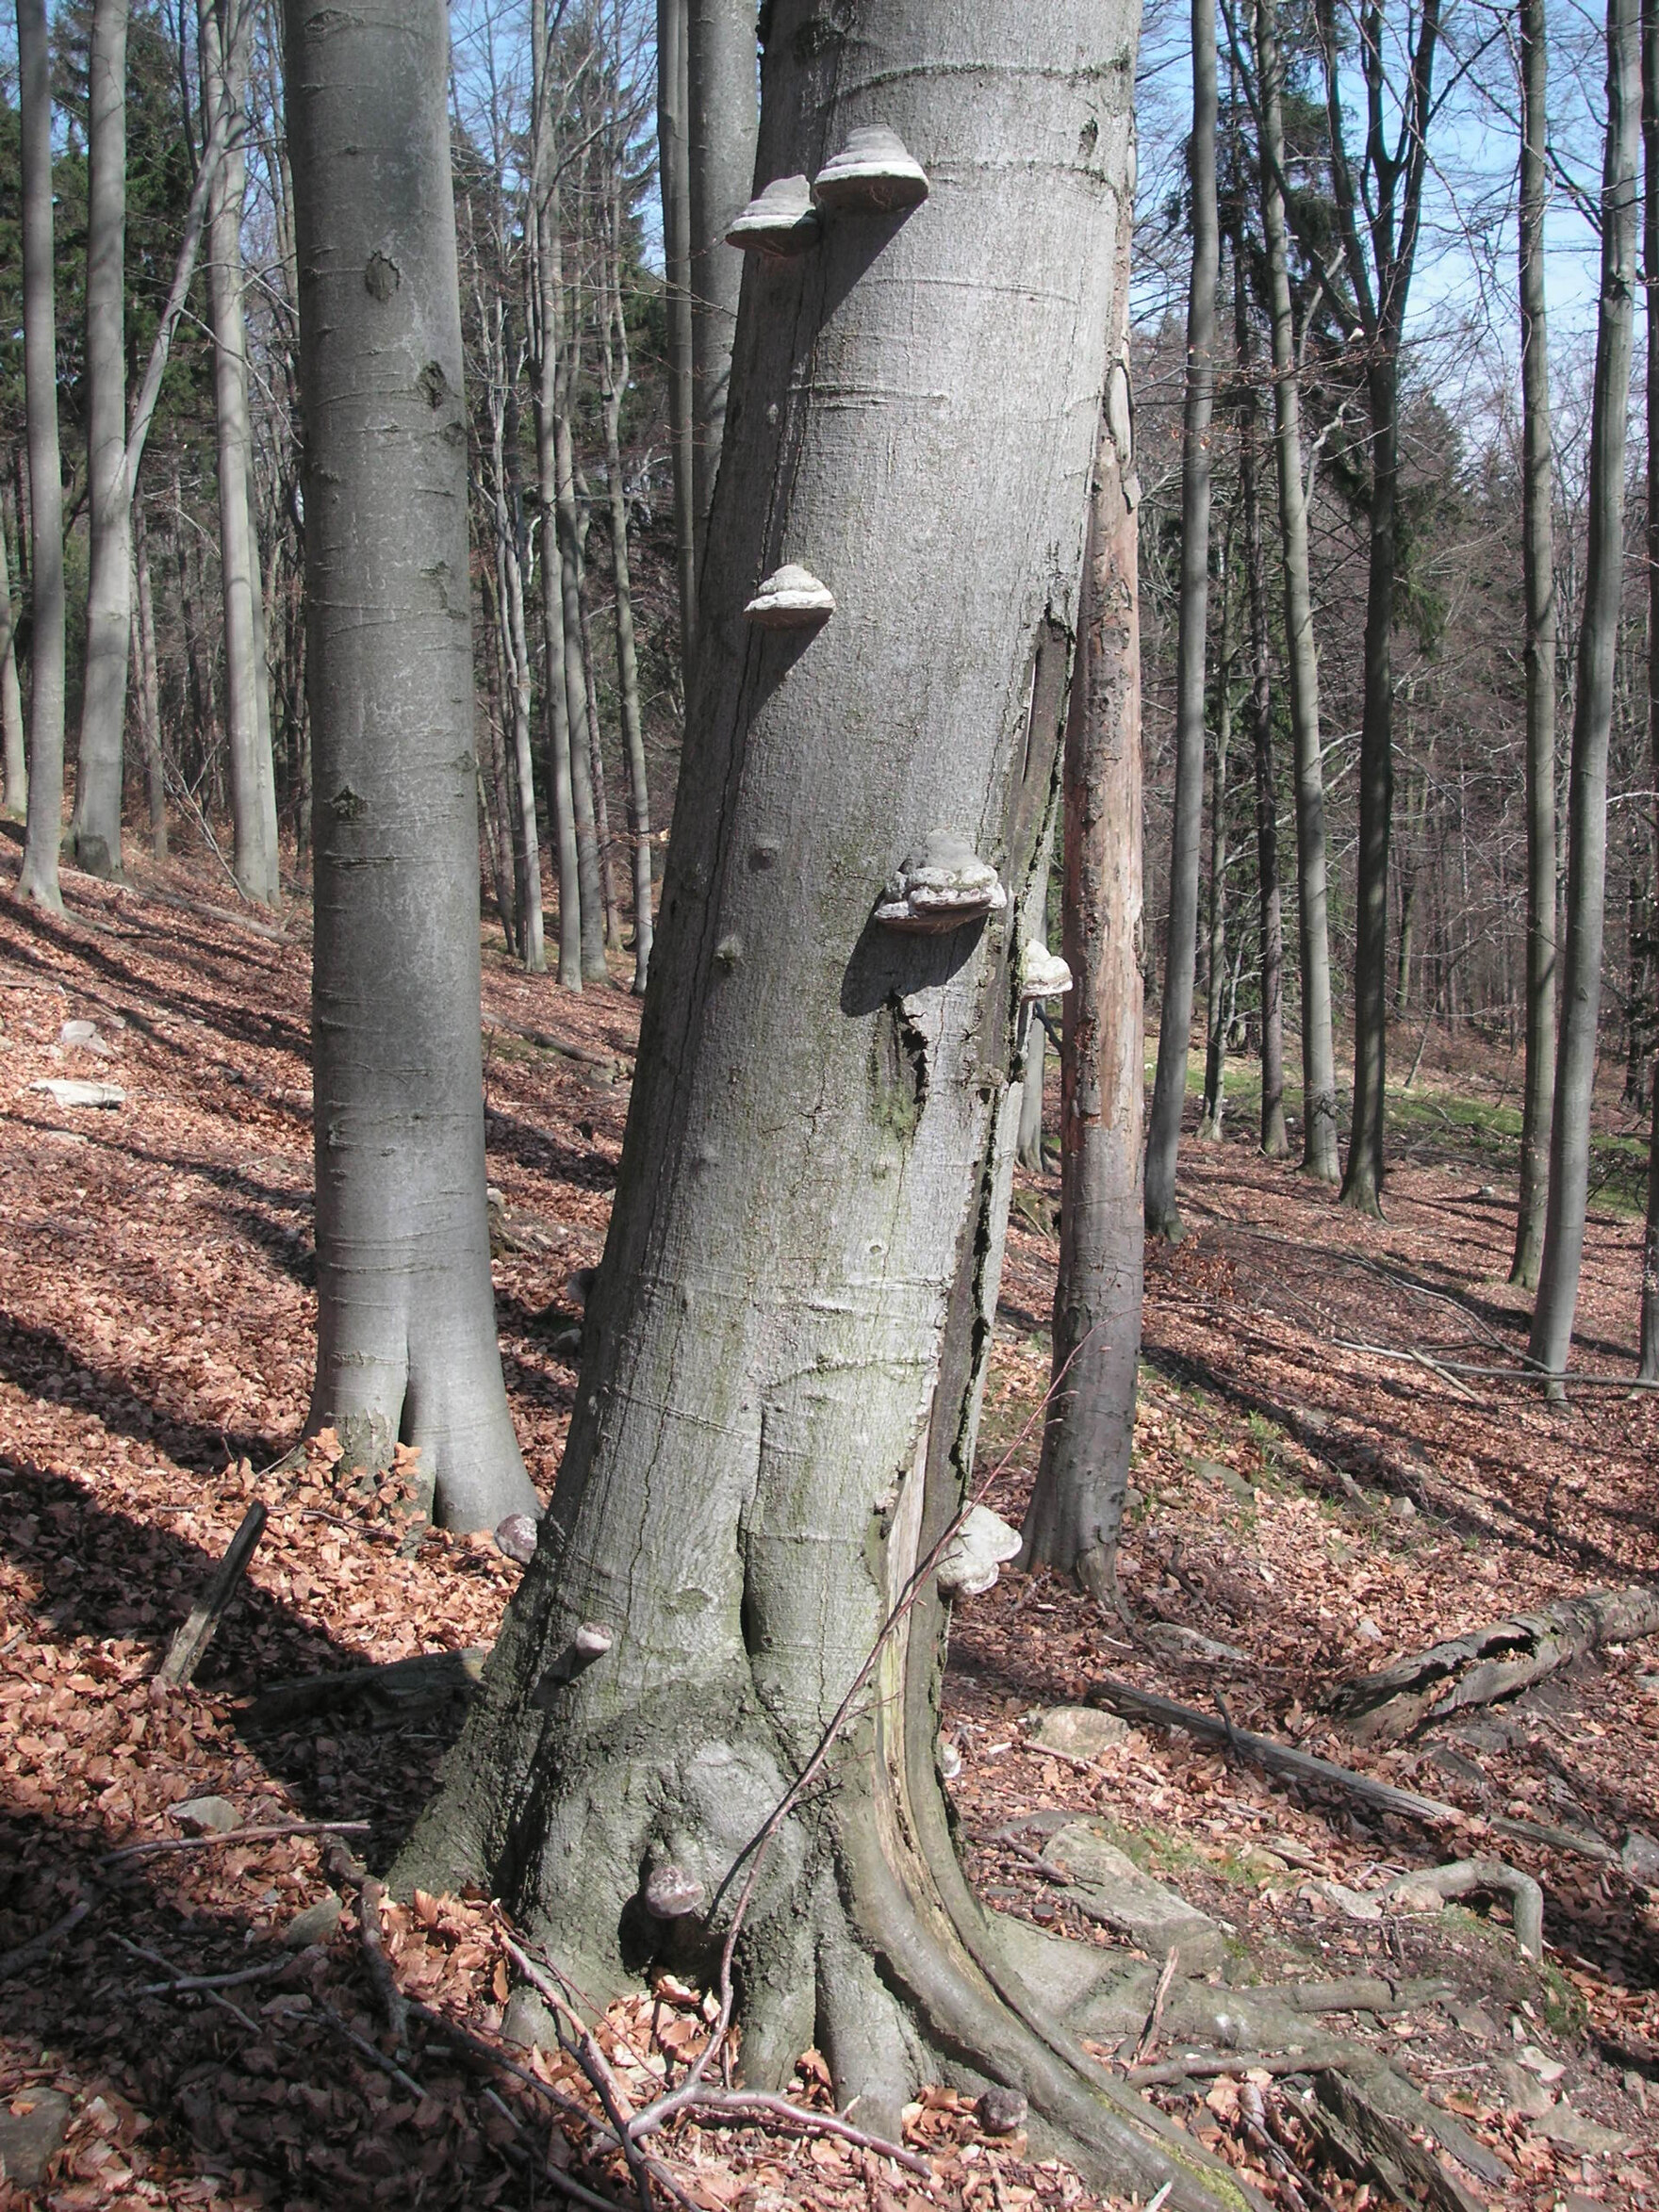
{"x":1389,"y":200}
{"x":596,"y":755}
{"x":1648,"y":1370}
{"x":785,"y":1342}
{"x":406,"y":1343}
{"x":555,"y":701}
{"x":1077,"y":1507}
{"x":674,"y":171}
{"x":252,"y":780}
{"x":1318,"y":1078}
{"x":12,"y":755}
{"x":1592,"y":720}
{"x":1174,"y":1018}
{"x":95,"y":825}
{"x":1275,"y":1141}
{"x":1537,"y":487}
{"x":721,"y":158}
{"x":147,"y":679}
{"x":1212,"y":1105}
{"x":43,"y":834}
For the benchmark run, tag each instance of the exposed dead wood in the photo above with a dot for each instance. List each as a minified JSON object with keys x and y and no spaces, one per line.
{"x":270,"y":1832}
{"x":1264,"y":1752}
{"x":1491,"y":1662}
{"x":1376,"y":2147}
{"x":405,"y":1690}
{"x":545,"y":1042}
{"x":184,"y":1654}
{"x":37,"y":1947}
{"x":1583,"y":1840}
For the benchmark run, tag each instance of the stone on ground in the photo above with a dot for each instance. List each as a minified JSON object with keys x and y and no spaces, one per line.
{"x":1158,"y":1919}
{"x":31,"y":2134}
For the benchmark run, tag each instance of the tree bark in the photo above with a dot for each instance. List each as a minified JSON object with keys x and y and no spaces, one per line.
{"x":1174,"y":1020}
{"x":720,"y":152}
{"x":674,"y":168}
{"x":1076,"y":1506}
{"x":147,"y":671}
{"x":1319,"y":1080}
{"x":406,"y":1343}
{"x":1648,"y":1369}
{"x":1587,"y":820}
{"x":775,"y":1421}
{"x":253,"y":781}
{"x":1212,"y":1107}
{"x":95,"y":827}
{"x":43,"y":834}
{"x":15,"y":759}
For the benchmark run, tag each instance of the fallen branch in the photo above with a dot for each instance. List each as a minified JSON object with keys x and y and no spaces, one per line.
{"x":582,"y":2047}
{"x":1583,"y":1840}
{"x":544,"y":1042}
{"x":14,"y":1962}
{"x":347,"y":1869}
{"x":176,"y":1974}
{"x":269,"y":1833}
{"x":184,"y":1654}
{"x":403,"y":1690}
{"x":267,"y":1973}
{"x":1491,"y":1662}
{"x":1264,"y":1752}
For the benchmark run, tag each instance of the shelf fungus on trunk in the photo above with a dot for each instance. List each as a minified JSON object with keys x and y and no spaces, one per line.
{"x":873,"y":175}
{"x":976,"y":1554}
{"x":780,"y":220}
{"x":1042,"y":974}
{"x":940,"y":888}
{"x":791,"y":598}
{"x":671,"y":1893}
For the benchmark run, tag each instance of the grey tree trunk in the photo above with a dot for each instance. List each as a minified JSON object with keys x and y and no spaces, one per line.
{"x":596,"y":754}
{"x":1587,"y":817}
{"x":252,"y":782}
{"x":1212,"y":1107}
{"x":95,"y":827}
{"x":1174,"y":1020}
{"x":44,"y":831}
{"x":1539,"y":563}
{"x":14,"y":759}
{"x":406,"y":1344}
{"x":1318,"y":1078}
{"x":720,"y":152}
{"x":1076,"y":1506}
{"x":1032,"y":1038}
{"x":1275,"y":1141}
{"x":147,"y":672}
{"x":775,"y":1421}
{"x":1648,"y":1370}
{"x":674,"y":171}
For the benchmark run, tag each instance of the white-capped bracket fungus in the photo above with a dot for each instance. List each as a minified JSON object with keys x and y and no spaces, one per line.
{"x":671,"y":1894}
{"x":940,"y":887}
{"x":515,"y":1537}
{"x":591,"y":1642}
{"x":779,"y":220}
{"x":873,"y":175}
{"x":976,"y":1554}
{"x":1042,"y":974}
{"x":791,"y":598}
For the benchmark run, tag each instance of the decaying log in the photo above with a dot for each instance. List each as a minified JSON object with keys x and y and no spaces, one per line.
{"x":404,"y":1690}
{"x":1276,"y":1758}
{"x":1491,"y":1662}
{"x":185,"y":1652}
{"x":1376,"y":2147}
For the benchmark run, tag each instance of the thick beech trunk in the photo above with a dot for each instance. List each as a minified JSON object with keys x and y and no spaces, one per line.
{"x":1174,"y":1018}
{"x":44,"y":831}
{"x":674,"y":168}
{"x":785,"y":1341}
{"x":1649,"y":1312}
{"x":1592,"y":720}
{"x":95,"y":828}
{"x":1319,"y":1080}
{"x":720,"y":154}
{"x":1077,"y":1505}
{"x":252,"y":778}
{"x":406,"y":1343}
{"x":14,"y":758}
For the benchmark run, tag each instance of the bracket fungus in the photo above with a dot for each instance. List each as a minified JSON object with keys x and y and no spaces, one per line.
{"x":873,"y":175}
{"x":791,"y":598}
{"x":940,"y":887}
{"x":974,"y":1556}
{"x":1042,"y":974}
{"x":670,"y":1892}
{"x":781,"y":220}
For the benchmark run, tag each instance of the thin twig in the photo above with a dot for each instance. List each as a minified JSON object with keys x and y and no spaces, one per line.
{"x":178,"y":1974}
{"x":267,"y":1971}
{"x":271,"y":1832}
{"x":1147,"y":2041}
{"x":37,"y":1947}
{"x":740,"y":2105}
{"x":594,"y":2063}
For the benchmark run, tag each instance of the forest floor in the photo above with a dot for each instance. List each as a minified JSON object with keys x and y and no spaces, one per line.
{"x":1316,"y":1490}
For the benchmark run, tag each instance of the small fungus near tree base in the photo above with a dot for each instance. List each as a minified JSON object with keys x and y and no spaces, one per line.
{"x":791,"y":598}
{"x":940,"y":886}
{"x":873,"y":175}
{"x":779,"y":220}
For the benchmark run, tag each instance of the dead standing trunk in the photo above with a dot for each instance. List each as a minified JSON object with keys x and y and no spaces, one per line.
{"x":1174,"y":1020}
{"x":1592,"y":720}
{"x":406,"y":1342}
{"x":39,"y":880}
{"x":775,"y":1421}
{"x":1077,"y":1505}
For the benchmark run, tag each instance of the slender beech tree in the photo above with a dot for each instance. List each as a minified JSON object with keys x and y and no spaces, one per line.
{"x":14,"y":756}
{"x":1537,"y":492}
{"x":1592,"y":718}
{"x":252,"y":779}
{"x":775,"y":1420}
{"x":95,"y":827}
{"x":1175,"y":1021}
{"x":1650,"y":10}
{"x":1076,"y":1506}
{"x":406,"y":1342}
{"x":720,"y":155}
{"x":147,"y":679}
{"x":674,"y":169}
{"x":1385,"y":195}
{"x":1212,"y":1105}
{"x":44,"y":830}
{"x":1319,"y":1077}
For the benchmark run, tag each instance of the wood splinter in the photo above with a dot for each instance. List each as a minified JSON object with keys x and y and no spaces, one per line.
{"x":184,"y":1654}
